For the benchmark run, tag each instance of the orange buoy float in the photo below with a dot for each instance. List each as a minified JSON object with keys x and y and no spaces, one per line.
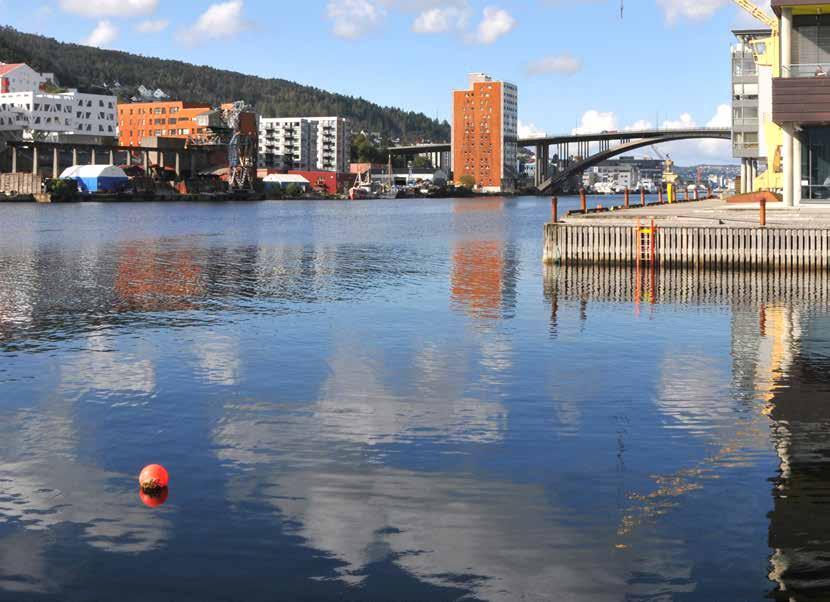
{"x":153,"y":478}
{"x":154,"y":499}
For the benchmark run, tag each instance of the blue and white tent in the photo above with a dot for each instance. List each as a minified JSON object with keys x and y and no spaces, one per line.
{"x":97,"y":178}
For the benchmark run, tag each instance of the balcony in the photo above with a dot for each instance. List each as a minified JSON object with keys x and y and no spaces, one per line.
{"x":802,"y":99}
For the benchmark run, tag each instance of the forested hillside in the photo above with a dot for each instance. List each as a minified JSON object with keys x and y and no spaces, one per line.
{"x":91,"y":69}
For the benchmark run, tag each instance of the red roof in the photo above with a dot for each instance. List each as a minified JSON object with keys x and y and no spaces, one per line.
{"x":4,"y":69}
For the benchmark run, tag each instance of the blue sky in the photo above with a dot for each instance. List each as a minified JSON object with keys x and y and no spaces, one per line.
{"x":577,"y":64}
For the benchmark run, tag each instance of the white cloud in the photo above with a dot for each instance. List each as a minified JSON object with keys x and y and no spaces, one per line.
{"x":529,"y":130}
{"x":685,"y":121}
{"x":594,"y":121}
{"x":719,"y":149}
{"x":690,"y":9}
{"x":441,"y":20}
{"x":640,"y":125}
{"x":109,"y":8}
{"x":495,"y":23}
{"x":221,"y":20}
{"x":152,"y":26}
{"x":722,"y":118}
{"x":352,"y":19}
{"x":102,"y":36}
{"x":561,"y":63}
{"x":686,"y":152}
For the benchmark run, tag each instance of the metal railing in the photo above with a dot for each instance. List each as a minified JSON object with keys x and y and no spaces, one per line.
{"x":807,"y":70}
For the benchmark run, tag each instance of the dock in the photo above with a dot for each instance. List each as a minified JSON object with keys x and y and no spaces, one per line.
{"x":708,"y":234}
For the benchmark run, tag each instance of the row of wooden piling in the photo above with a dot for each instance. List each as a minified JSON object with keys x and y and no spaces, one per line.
{"x":702,"y":246}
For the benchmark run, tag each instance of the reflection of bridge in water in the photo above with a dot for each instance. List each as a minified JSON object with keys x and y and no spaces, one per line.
{"x":780,"y":363}
{"x":573,"y":162}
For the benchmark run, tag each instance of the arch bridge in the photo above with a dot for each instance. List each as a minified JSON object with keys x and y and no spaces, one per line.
{"x":606,"y":144}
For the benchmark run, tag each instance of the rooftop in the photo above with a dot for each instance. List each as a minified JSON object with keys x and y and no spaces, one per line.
{"x":8,"y":68}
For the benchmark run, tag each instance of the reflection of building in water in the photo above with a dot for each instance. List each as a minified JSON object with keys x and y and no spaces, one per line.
{"x":477,"y":272}
{"x":18,"y":275}
{"x":799,"y":530}
{"x":484,"y":272}
{"x":150,"y":279}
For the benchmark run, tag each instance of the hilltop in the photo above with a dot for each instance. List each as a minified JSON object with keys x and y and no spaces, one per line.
{"x":93,"y":69}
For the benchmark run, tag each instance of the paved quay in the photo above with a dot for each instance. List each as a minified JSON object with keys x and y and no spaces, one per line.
{"x":702,"y":213}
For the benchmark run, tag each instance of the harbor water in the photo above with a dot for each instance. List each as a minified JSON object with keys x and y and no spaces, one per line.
{"x":396,"y":400}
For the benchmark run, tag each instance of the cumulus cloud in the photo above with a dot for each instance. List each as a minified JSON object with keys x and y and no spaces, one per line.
{"x":529,"y":130}
{"x":102,"y":36}
{"x":690,"y":9}
{"x":684,"y":152}
{"x":352,"y":19}
{"x":639,"y":126}
{"x":566,"y":64}
{"x":441,"y":20}
{"x":685,"y":121}
{"x":594,"y":121}
{"x":495,"y":23}
{"x":109,"y":8}
{"x":152,"y":26}
{"x":221,"y":20}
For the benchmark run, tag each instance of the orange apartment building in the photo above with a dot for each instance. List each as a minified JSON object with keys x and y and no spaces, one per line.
{"x":485,"y":133}
{"x":170,"y":119}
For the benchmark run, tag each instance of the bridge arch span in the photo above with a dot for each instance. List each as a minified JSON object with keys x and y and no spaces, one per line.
{"x":551,"y":183}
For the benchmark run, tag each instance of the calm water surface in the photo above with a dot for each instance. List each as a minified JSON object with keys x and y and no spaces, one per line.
{"x":395,"y":400}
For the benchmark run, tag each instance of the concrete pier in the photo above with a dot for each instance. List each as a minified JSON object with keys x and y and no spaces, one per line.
{"x":711,"y":234}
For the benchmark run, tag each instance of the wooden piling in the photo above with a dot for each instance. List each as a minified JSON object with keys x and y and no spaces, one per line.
{"x":721,"y":247}
{"x":584,"y":199}
{"x":554,"y":210}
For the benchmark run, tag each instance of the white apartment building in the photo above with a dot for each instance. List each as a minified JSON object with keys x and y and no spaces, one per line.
{"x":28,"y":111}
{"x":59,"y":116}
{"x":286,"y":143}
{"x":333,"y":143}
{"x":510,"y":134}
{"x":305,"y":143}
{"x":19,"y":77}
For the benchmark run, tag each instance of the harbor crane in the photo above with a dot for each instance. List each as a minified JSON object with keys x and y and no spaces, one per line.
{"x":759,"y":14}
{"x":242,"y":150}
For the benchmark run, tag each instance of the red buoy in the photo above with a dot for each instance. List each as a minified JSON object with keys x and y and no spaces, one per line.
{"x":154,"y":499}
{"x":153,"y":478}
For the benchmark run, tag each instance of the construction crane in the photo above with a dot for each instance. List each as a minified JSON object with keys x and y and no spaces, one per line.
{"x":759,"y":14}
{"x":242,"y":150}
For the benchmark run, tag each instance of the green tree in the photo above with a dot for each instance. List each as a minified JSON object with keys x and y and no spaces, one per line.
{"x":422,"y":162}
{"x":293,"y":190}
{"x":467,"y":181}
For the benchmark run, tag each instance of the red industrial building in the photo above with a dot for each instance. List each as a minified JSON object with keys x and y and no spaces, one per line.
{"x":330,"y":182}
